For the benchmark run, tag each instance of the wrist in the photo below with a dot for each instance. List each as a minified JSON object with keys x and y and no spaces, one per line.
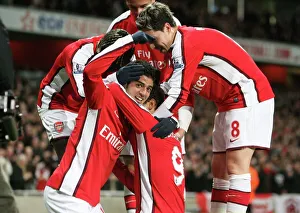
{"x":180,"y":134}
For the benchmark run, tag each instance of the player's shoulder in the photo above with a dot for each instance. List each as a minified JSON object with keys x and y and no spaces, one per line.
{"x":91,"y":39}
{"x":121,"y":18}
{"x":188,"y":33}
{"x":189,"y":29}
{"x":176,"y":21}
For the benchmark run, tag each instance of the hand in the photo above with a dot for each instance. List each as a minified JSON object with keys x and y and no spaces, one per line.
{"x":142,"y":38}
{"x":164,"y":128}
{"x":130,"y":72}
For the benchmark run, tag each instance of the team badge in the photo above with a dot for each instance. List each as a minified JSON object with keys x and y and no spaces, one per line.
{"x":59,"y":126}
{"x":178,"y":63}
{"x":78,"y":68}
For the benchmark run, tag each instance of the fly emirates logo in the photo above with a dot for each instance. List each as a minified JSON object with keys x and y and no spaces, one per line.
{"x":200,"y":83}
{"x":111,"y":138}
{"x":146,"y":55}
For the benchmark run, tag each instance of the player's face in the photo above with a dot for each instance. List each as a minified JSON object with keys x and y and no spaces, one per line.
{"x":163,"y":39}
{"x":140,"y":90}
{"x":151,"y":105}
{"x":137,"y":6}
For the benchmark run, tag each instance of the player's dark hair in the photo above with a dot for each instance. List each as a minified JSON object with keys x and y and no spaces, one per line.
{"x":110,"y":38}
{"x":158,"y":95}
{"x":149,"y":71}
{"x":154,"y":17}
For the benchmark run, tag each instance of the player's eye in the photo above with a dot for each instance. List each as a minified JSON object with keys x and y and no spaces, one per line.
{"x":139,"y":85}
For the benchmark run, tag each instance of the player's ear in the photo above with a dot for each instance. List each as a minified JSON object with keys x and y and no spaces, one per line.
{"x":152,"y":105}
{"x":168,"y":27}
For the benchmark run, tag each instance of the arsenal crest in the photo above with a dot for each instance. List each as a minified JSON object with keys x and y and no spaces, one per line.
{"x":59,"y":126}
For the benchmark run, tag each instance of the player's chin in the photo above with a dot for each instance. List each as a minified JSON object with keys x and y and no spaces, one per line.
{"x":163,"y":50}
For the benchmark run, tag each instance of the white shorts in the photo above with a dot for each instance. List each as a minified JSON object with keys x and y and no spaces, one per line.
{"x":128,"y":151}
{"x":58,"y":123}
{"x":245,"y":127}
{"x":58,"y":202}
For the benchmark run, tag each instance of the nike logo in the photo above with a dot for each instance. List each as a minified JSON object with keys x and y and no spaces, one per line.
{"x":232,"y":140}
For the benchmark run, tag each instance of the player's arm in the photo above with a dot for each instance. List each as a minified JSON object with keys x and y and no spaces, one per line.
{"x":185,"y":63}
{"x":122,"y":172}
{"x":138,"y":116}
{"x":177,"y":87}
{"x":94,"y":88}
{"x":185,"y":60}
{"x":76,"y":65}
{"x":185,"y":114}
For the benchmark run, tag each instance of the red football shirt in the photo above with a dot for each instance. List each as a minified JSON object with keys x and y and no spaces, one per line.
{"x":99,"y":135}
{"x":211,"y":64}
{"x":159,"y":173}
{"x":62,"y":86}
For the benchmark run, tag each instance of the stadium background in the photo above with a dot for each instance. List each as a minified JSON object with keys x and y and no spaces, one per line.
{"x":269,"y":30}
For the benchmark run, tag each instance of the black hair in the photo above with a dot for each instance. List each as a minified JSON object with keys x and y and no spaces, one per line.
{"x":158,"y":95}
{"x":150,"y":71}
{"x":110,"y":38}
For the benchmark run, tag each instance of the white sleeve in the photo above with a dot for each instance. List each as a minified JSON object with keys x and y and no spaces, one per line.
{"x":79,"y":60}
{"x":185,"y":114}
{"x":120,"y":18}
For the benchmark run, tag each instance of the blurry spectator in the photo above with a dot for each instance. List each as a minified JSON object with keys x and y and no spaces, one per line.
{"x":6,"y":167}
{"x":43,"y":170}
{"x":20,"y":177}
{"x":197,"y":178}
{"x":297,"y":176}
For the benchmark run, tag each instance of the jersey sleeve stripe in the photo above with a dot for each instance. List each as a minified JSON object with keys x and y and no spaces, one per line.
{"x":233,"y":75}
{"x":77,"y":167}
{"x":146,"y":188}
{"x":74,"y":151}
{"x":90,"y":150}
{"x":179,"y":73}
{"x":80,"y":57}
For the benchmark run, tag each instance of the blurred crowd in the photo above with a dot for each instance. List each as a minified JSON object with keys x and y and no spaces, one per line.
{"x":30,"y":161}
{"x":261,"y":20}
